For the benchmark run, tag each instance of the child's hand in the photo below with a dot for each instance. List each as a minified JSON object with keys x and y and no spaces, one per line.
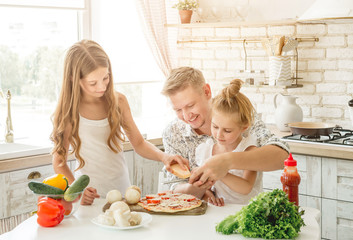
{"x":211,"y":198}
{"x":89,"y":195}
{"x":169,"y":159}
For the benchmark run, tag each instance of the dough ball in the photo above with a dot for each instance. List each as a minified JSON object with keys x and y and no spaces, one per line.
{"x":114,"y":196}
{"x":132,"y":196}
{"x":135,"y":187}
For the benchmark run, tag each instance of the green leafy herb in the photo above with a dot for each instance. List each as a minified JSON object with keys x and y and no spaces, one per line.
{"x":269,"y":215}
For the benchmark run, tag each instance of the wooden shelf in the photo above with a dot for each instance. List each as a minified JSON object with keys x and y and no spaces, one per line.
{"x":235,"y":24}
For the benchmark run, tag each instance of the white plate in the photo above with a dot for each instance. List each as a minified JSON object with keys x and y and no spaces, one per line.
{"x":146,"y":218}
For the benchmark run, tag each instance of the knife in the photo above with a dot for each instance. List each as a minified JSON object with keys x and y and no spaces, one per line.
{"x":176,"y":181}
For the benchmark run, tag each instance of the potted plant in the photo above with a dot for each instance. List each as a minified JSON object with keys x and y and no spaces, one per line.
{"x":186,"y":8}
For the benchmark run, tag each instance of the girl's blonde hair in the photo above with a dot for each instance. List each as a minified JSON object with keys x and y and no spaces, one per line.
{"x":181,"y":78}
{"x":230,"y":100}
{"x":81,"y":59}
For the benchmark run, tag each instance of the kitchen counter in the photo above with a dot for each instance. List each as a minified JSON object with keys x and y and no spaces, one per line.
{"x":79,"y":226}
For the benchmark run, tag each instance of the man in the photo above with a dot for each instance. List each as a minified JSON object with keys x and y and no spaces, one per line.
{"x":191,"y":98}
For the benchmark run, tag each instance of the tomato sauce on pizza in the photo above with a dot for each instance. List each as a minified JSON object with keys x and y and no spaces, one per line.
{"x":169,"y":202}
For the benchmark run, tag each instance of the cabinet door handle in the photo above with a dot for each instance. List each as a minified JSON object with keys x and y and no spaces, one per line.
{"x":34,"y":175}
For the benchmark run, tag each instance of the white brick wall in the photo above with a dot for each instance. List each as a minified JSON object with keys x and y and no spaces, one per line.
{"x":325,"y":66}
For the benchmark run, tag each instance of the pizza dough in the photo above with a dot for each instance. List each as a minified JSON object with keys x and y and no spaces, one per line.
{"x":178,"y":171}
{"x":169,"y":202}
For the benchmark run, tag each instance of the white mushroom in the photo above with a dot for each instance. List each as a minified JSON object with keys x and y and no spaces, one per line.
{"x":114,"y":196}
{"x":105,"y":219}
{"x":109,"y":213}
{"x":119,"y":205}
{"x":135,"y":219}
{"x":132,"y":196}
{"x":122,"y":218}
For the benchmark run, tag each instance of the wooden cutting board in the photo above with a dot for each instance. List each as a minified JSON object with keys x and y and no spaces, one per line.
{"x":137,"y":208}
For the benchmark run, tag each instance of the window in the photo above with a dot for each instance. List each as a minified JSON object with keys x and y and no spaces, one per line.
{"x":34,"y":38}
{"x":35,"y":35}
{"x":116,"y":27}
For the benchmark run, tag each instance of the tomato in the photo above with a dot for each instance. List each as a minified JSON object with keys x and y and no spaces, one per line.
{"x":190,"y":199}
{"x":153,"y":201}
{"x":151,"y":196}
{"x":162,"y":193}
{"x":165,"y":197}
{"x":67,"y":206}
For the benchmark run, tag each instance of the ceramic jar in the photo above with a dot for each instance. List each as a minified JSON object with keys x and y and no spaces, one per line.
{"x":287,"y":111}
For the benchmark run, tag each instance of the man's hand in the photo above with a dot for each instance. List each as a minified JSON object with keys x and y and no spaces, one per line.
{"x":89,"y":195}
{"x":205,"y":176}
{"x":168,"y":160}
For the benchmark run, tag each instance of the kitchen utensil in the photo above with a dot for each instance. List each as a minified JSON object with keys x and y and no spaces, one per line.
{"x":312,"y":129}
{"x":286,"y":112}
{"x":289,"y":46}
{"x":279,"y":42}
{"x":280,"y":70}
{"x":267,"y":46}
{"x":176,"y":181}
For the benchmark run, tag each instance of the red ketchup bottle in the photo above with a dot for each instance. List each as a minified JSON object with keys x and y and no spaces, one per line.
{"x":290,"y":179}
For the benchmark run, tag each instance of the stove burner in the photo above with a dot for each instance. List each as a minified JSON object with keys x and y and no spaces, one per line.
{"x":310,"y":137}
{"x":339,"y":136}
{"x":348,"y":141}
{"x":315,"y":137}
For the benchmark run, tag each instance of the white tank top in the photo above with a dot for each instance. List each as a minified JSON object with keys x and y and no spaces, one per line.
{"x":107,"y":170}
{"x":204,"y":152}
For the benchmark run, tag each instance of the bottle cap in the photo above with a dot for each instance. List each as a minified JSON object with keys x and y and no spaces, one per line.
{"x":290,"y":161}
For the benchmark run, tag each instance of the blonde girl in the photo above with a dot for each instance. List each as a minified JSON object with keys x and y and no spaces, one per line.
{"x":94,"y":119}
{"x":232,"y":115}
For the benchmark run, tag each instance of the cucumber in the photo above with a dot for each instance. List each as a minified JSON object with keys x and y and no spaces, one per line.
{"x":45,"y":189}
{"x":76,"y":187}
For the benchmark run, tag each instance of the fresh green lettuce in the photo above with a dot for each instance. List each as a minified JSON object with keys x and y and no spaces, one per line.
{"x":269,"y":215}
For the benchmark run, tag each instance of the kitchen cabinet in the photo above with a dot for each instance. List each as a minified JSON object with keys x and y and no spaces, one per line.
{"x":16,"y":200}
{"x":143,"y":172}
{"x":326,"y":184}
{"x":337,"y":199}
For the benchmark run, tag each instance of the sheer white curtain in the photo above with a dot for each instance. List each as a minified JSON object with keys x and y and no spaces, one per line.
{"x":161,"y":40}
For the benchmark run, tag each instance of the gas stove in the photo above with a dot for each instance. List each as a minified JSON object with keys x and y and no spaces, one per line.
{"x":339,"y":136}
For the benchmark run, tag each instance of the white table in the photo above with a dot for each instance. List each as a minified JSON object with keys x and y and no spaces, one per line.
{"x":179,"y":227}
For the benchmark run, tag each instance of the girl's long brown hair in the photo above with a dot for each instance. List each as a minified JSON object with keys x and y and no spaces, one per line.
{"x":81,"y":59}
{"x":230,"y":100}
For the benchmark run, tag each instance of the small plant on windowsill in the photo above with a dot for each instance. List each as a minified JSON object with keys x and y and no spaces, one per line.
{"x":186,"y":7}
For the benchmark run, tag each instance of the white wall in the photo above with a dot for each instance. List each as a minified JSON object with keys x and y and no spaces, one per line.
{"x":325,"y":66}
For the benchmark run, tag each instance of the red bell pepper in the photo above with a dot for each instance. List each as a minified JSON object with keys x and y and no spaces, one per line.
{"x":50,"y":212}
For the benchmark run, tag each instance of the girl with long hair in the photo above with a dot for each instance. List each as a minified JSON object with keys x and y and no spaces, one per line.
{"x":94,"y":119}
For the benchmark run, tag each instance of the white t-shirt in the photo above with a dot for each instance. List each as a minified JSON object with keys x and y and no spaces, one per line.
{"x":107,"y":170}
{"x":204,"y":152}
